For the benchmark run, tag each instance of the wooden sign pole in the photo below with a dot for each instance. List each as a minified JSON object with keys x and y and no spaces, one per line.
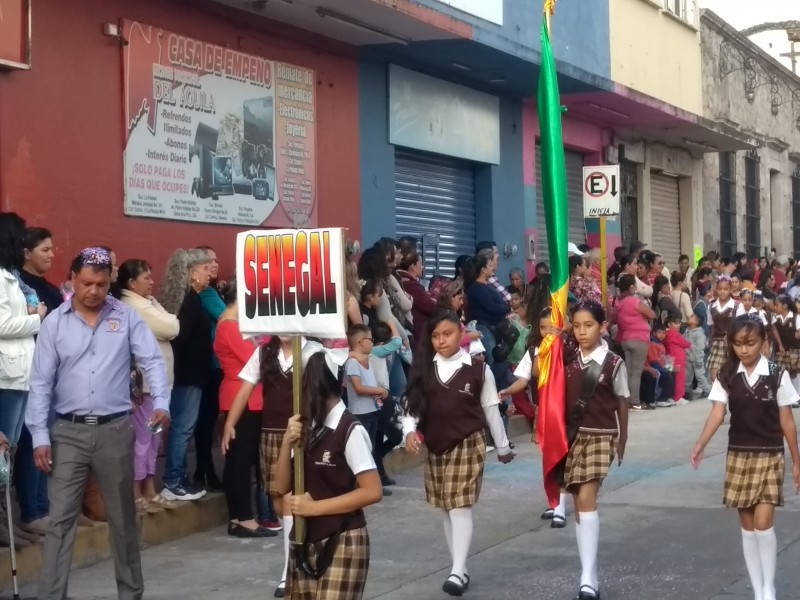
{"x":603,"y":264}
{"x":299,"y":450}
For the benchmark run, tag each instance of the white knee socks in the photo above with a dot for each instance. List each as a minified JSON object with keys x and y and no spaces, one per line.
{"x":461,"y":522}
{"x":752,"y":559}
{"x":561,"y":509}
{"x":587,"y":530}
{"x":288,"y":522}
{"x":448,"y":532}
{"x":768,"y":550}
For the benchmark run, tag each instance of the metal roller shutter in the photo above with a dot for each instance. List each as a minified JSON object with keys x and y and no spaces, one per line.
{"x":577,"y":227}
{"x":435,"y":200}
{"x":666,"y":218}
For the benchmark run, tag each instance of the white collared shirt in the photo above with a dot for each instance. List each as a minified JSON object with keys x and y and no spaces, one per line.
{"x":358,"y":451}
{"x":787,"y":395}
{"x":251,"y":372}
{"x":720,"y":308}
{"x":447,"y":367}
{"x":782,"y":320}
{"x":598,"y":355}
{"x":753,"y":311}
{"x":524,"y":369}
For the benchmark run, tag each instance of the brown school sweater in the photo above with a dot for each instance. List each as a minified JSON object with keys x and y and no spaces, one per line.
{"x":755,"y":417}
{"x":454,"y":408}
{"x":327,"y":476}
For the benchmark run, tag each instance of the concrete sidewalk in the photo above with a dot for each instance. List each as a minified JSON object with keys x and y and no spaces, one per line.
{"x":664,"y":535}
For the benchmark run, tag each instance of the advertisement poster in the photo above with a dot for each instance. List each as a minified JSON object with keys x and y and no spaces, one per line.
{"x":291,"y":282}
{"x":214,"y":135}
{"x":15,"y":34}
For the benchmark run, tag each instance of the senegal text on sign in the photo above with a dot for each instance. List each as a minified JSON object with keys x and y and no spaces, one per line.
{"x":291,"y":282}
{"x":601,"y":191}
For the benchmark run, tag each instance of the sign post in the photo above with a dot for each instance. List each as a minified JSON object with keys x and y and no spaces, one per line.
{"x":601,"y":200}
{"x":292,"y":282}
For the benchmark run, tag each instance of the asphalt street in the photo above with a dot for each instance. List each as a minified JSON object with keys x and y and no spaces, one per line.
{"x":664,"y":535}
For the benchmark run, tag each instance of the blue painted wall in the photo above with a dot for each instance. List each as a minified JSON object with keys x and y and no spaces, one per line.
{"x":500,"y":194}
{"x":499,"y":188}
{"x":377,"y":154}
{"x":581,"y":32}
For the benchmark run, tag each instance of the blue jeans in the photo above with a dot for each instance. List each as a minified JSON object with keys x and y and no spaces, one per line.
{"x":184,"y":406}
{"x":397,"y":376}
{"x":30,"y":482}
{"x":12,"y":413}
{"x":489,"y":342}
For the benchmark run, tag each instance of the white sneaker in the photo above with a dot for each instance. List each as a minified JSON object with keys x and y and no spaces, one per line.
{"x":681,"y":402}
{"x":489,"y":449}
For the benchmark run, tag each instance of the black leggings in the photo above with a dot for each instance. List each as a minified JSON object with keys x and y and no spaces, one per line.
{"x":240,"y":461}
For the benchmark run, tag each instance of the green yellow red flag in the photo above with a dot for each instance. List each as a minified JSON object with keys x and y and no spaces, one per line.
{"x":551,"y":423}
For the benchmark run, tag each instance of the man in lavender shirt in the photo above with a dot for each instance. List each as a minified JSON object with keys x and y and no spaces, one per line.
{"x":81,"y":372}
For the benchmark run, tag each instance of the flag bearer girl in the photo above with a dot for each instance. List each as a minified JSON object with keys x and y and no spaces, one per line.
{"x":759,"y":395}
{"x":341,"y":480}
{"x":720,"y":313}
{"x":528,"y":370}
{"x":599,"y":425}
{"x":270,"y":365}
{"x":451,"y":397}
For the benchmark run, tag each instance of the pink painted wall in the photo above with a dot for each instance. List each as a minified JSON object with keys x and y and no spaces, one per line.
{"x":580,"y":136}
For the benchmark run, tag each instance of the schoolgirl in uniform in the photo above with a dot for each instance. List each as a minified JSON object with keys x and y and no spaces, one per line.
{"x":271,"y":365}
{"x":602,"y":430}
{"x":341,"y":480}
{"x":451,"y":397}
{"x":720,"y":313}
{"x":528,"y":370}
{"x":759,"y":395}
{"x":786,"y":332}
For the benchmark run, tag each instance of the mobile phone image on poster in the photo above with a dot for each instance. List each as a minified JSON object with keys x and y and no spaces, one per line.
{"x":215,"y":135}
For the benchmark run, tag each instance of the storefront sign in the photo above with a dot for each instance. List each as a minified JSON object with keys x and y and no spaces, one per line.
{"x":291,"y":281}
{"x":214,"y":135}
{"x":488,"y":10}
{"x":15,"y":34}
{"x":601,"y":191}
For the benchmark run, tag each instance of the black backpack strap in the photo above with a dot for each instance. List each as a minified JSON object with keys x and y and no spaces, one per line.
{"x":590,"y":380}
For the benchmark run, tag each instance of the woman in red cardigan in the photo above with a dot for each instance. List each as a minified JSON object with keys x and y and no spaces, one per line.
{"x":410,"y":271}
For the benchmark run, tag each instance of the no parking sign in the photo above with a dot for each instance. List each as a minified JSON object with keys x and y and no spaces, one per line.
{"x":601,"y":191}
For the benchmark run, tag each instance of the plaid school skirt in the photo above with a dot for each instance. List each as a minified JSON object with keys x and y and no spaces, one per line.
{"x":752,"y":478}
{"x":453,"y":479}
{"x":589,"y":459}
{"x":719,"y":352}
{"x":789,"y":360}
{"x":345,"y":578}
{"x":269,"y":450}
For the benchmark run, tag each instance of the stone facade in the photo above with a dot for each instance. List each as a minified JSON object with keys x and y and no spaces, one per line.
{"x":745,"y":88}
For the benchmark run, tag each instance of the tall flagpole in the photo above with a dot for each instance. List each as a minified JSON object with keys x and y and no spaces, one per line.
{"x":551,"y":422}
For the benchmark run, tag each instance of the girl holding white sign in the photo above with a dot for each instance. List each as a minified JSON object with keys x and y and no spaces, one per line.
{"x":341,"y":480}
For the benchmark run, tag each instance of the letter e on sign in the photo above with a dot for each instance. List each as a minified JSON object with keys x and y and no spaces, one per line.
{"x":601,"y":191}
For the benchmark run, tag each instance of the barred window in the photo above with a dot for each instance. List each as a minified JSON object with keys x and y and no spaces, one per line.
{"x":727,"y":203}
{"x":752,"y":187}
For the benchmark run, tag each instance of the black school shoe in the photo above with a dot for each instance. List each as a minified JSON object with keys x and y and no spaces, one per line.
{"x":587,"y":592}
{"x":454,"y":585}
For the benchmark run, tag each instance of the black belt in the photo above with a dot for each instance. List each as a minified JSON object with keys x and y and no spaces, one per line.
{"x":92,"y":419}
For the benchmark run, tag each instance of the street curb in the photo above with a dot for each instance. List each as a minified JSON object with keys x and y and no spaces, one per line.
{"x":164,"y":526}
